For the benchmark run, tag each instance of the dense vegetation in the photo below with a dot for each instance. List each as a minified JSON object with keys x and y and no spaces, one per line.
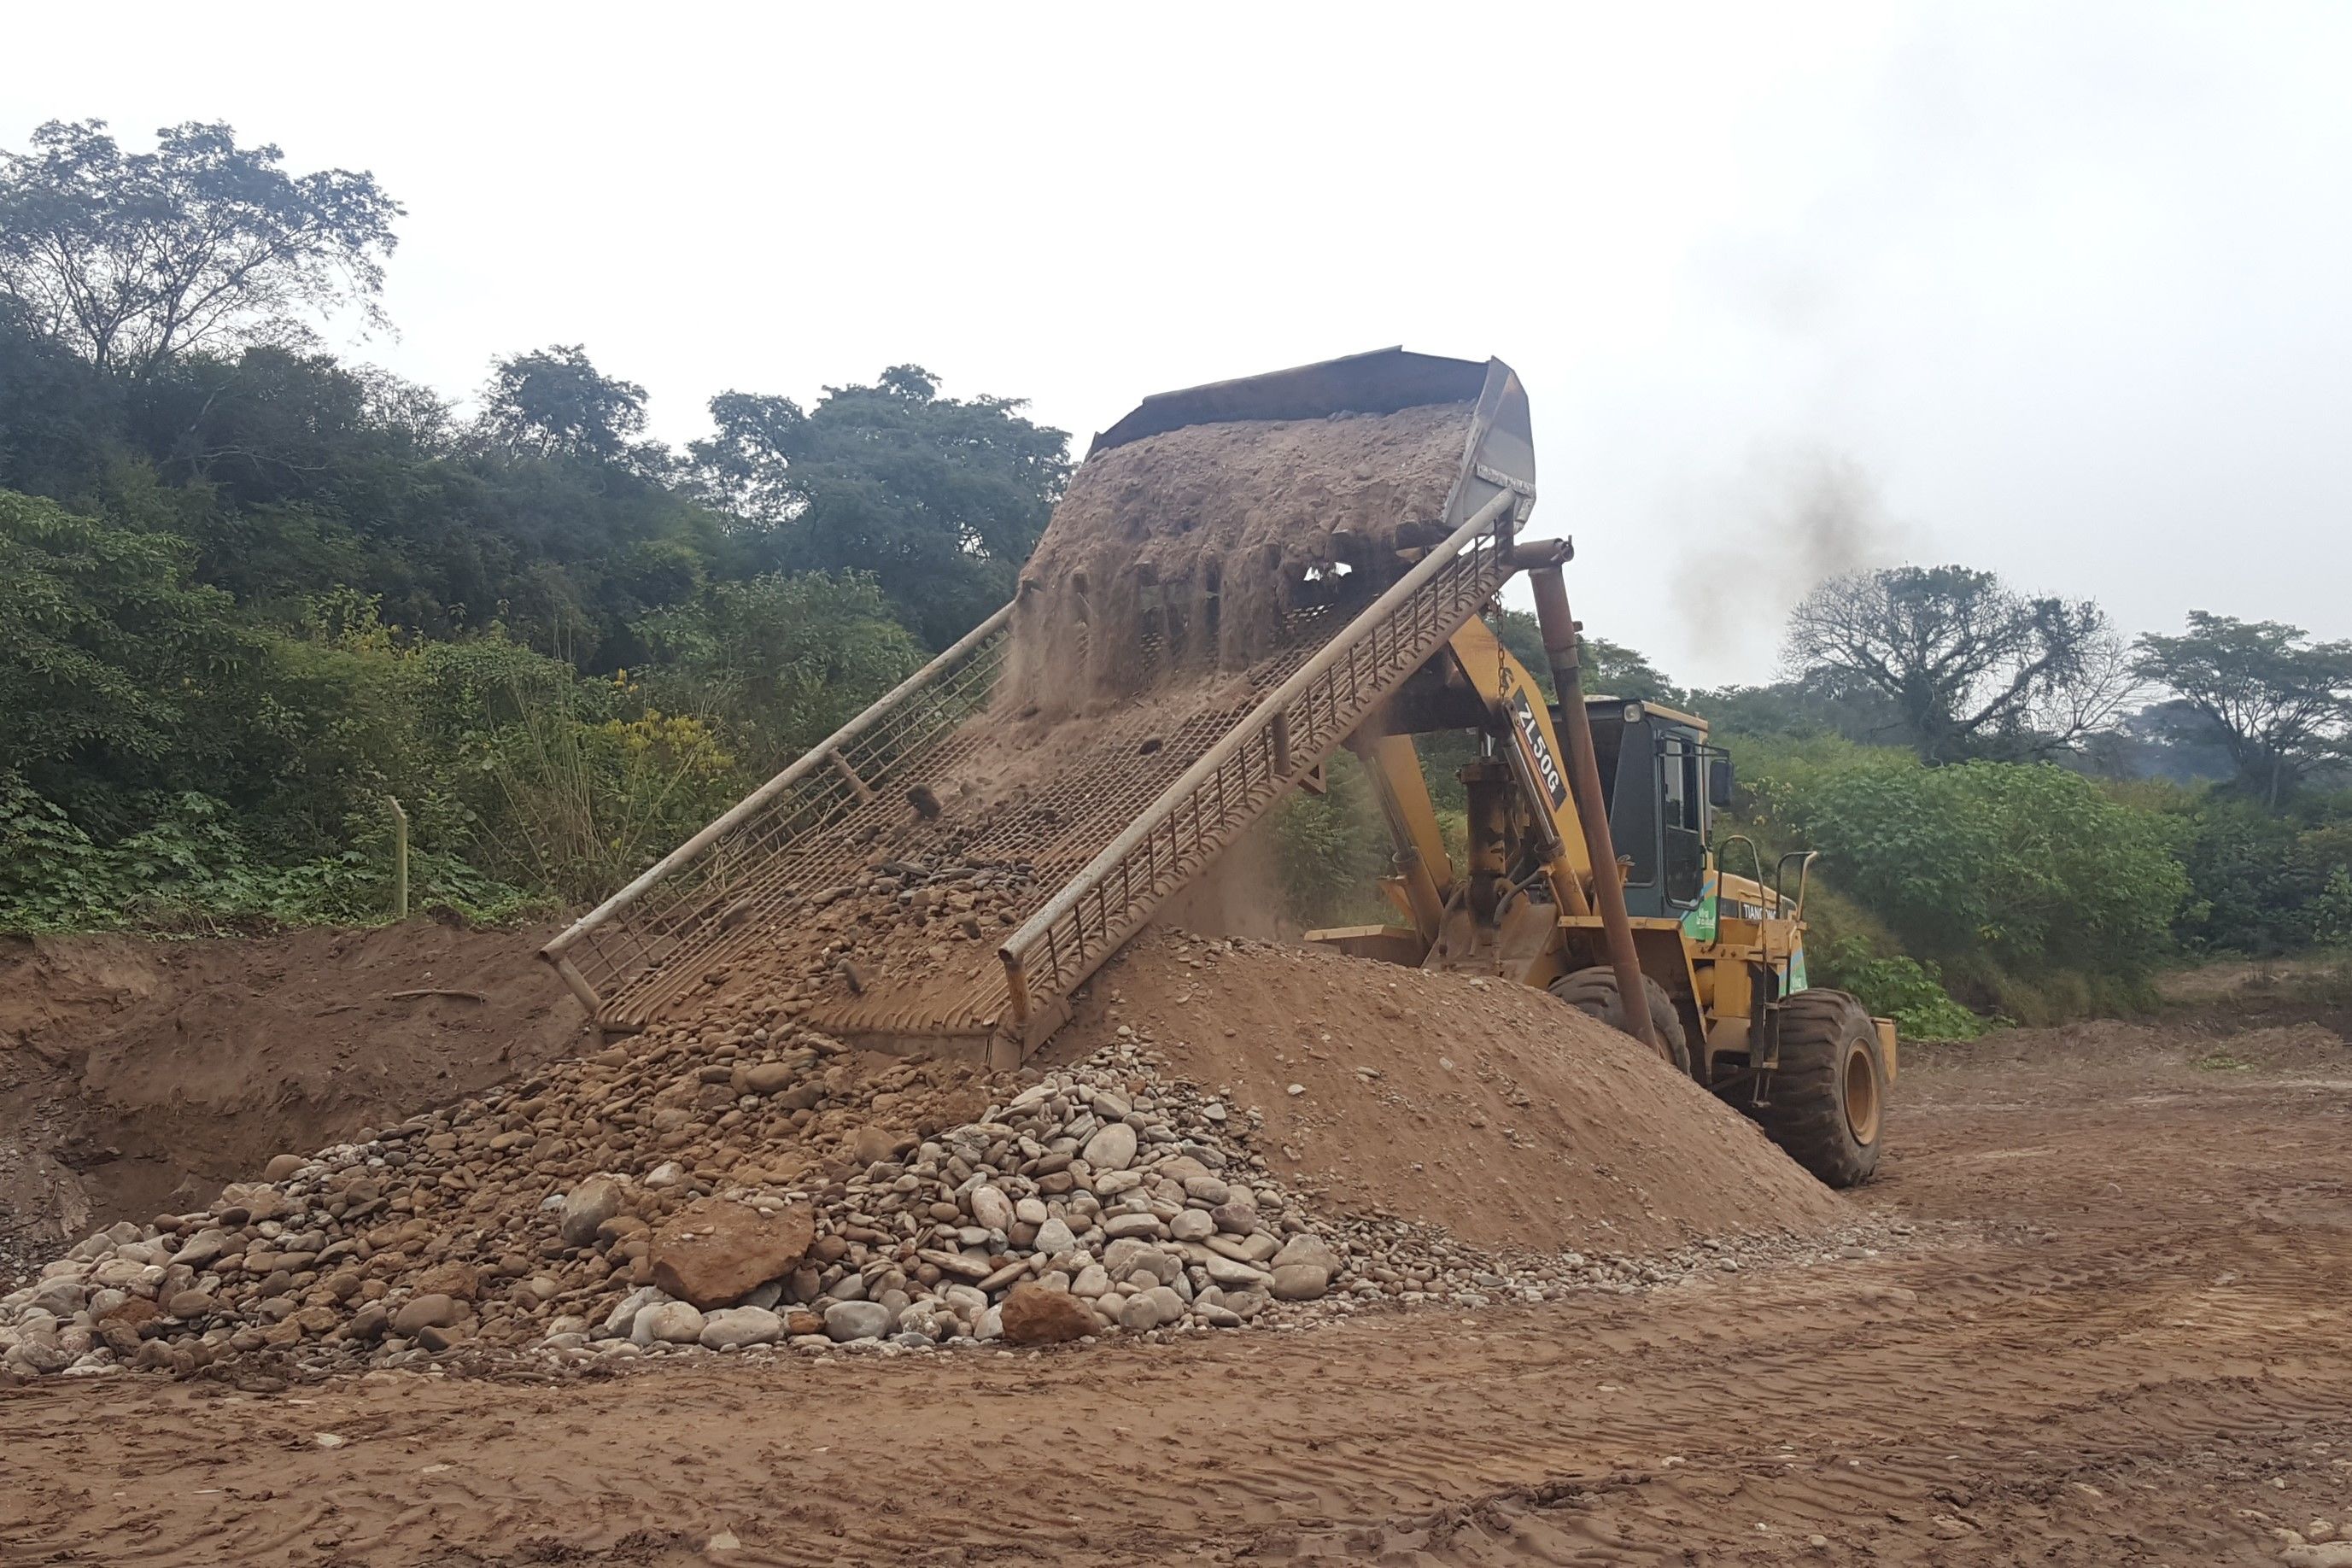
{"x":252,"y":594}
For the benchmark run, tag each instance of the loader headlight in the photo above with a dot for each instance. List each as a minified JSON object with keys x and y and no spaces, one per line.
{"x":1632,"y":712}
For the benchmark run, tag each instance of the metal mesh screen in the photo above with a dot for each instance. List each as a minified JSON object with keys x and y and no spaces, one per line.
{"x":733,"y":900}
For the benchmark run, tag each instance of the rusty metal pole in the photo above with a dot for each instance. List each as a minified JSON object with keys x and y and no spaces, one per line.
{"x":1559,"y":638}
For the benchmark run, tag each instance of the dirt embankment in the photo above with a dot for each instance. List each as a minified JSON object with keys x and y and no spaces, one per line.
{"x":1489,"y":1108}
{"x":138,"y":1076}
{"x":1189,"y":550}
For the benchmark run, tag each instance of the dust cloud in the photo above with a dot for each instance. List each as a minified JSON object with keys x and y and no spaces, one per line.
{"x":1797,"y":515}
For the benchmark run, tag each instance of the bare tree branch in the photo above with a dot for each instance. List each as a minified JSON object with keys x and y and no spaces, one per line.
{"x":1973,"y":667}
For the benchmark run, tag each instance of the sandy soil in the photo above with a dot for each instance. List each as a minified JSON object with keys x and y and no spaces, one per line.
{"x":2116,"y":1334}
{"x":1187,"y":549}
{"x":1492,"y":1109}
{"x":137,"y":1075}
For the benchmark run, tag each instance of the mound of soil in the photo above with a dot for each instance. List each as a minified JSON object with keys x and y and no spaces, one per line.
{"x":138,"y":1076}
{"x":1487,"y":1108}
{"x":1191,"y":549}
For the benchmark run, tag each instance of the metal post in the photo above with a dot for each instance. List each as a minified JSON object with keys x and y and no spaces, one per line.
{"x":399,"y":859}
{"x":1584,"y":779}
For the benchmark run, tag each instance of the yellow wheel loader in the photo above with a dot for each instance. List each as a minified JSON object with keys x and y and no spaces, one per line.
{"x":1587,"y":869}
{"x":1381,"y":640}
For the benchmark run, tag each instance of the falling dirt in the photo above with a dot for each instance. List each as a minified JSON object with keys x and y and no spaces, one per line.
{"x":1191,"y":549}
{"x":138,"y":1075}
{"x":1238,"y":894}
{"x":2114,"y":1332}
{"x":1493,"y":1110}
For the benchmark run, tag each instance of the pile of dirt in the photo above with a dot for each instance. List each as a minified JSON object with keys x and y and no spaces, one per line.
{"x":1493,"y":1111}
{"x":1193,"y":548}
{"x":1257,"y":1131}
{"x":140,"y":1075}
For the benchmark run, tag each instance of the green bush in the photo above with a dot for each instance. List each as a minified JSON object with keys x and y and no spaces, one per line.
{"x":2028,"y":867}
{"x":112,"y":665}
{"x":2265,"y":882}
{"x":781,"y":661}
{"x":189,"y":869}
{"x":1333,"y":848}
{"x":1898,"y":987}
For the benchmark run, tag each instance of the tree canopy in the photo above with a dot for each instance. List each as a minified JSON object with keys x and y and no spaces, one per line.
{"x":941,"y":498}
{"x":132,"y":259}
{"x":555,"y":403}
{"x":2277,"y":702}
{"x":1971,"y":667}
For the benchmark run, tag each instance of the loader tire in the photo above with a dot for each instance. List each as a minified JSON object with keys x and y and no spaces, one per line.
{"x":1828,"y":1107}
{"x":1594,"y":991}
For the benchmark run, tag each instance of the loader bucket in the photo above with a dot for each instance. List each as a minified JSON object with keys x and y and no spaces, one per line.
{"x":1501,"y":451}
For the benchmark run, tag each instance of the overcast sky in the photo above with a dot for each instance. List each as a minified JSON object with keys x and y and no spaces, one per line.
{"x":2060,"y":291}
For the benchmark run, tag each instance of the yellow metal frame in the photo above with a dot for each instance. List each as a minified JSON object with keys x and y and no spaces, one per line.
{"x":1428,"y":888}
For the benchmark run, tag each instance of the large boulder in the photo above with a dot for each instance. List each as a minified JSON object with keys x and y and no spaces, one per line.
{"x":668,"y":1323}
{"x":714,"y":1252}
{"x":1307,"y":1248}
{"x":434,"y":1310}
{"x":1033,"y":1315}
{"x":1299,"y":1282}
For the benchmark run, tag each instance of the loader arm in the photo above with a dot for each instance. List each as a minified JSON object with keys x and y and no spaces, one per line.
{"x":1484,"y":687}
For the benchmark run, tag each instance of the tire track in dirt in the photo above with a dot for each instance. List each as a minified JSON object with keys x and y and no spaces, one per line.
{"x":2128,"y":1350}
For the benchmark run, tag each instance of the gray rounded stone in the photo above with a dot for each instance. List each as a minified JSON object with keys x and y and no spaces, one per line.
{"x":847,"y":1320}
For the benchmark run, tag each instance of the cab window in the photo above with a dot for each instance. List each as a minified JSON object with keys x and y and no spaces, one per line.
{"x":1683,"y":797}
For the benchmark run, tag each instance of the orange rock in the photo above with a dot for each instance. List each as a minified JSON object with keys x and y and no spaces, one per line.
{"x":714,"y":1252}
{"x":1033,"y":1315}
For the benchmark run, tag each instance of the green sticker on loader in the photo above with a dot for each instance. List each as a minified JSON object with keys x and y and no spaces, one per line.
{"x":1698,"y":924}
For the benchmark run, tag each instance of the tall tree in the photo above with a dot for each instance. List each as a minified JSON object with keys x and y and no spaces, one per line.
{"x":1973,"y":667}
{"x":555,"y":402}
{"x":133,"y":259}
{"x":940,"y":498}
{"x":2279,"y":703}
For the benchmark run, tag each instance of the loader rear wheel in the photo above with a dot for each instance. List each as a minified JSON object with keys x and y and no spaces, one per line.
{"x":1594,"y":991}
{"x":1829,"y":1098}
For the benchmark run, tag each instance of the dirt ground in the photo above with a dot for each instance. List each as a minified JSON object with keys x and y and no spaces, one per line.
{"x":137,"y":1075}
{"x":2116,"y":1334}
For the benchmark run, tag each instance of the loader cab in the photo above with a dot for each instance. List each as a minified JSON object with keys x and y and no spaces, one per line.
{"x":1661,"y":780}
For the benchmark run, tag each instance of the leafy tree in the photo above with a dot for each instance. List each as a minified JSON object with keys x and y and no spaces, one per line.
{"x":133,"y":259}
{"x":1972,"y":667}
{"x":1803,"y":707}
{"x":111,"y":652}
{"x":2167,"y":740}
{"x":555,"y":402}
{"x":2277,"y":702}
{"x":941,"y":498}
{"x":781,"y":661}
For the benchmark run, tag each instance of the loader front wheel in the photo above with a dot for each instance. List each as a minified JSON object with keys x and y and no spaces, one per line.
{"x":1594,"y":991}
{"x":1828,"y":1101}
